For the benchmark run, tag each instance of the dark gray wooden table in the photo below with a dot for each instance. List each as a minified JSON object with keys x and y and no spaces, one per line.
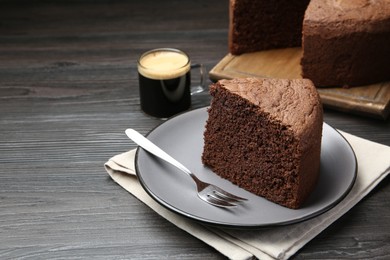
{"x":68,"y":89}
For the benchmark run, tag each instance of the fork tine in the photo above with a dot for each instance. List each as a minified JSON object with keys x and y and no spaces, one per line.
{"x":228,"y":195}
{"x":222,"y":196}
{"x":217,"y":202}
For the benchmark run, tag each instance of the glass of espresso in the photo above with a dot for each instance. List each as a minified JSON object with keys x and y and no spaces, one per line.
{"x":165,"y":82}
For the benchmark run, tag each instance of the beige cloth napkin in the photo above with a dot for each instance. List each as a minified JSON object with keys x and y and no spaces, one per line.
{"x":268,"y":243}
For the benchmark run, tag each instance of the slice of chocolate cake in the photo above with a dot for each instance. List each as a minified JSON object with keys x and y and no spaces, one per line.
{"x":264,"y":135}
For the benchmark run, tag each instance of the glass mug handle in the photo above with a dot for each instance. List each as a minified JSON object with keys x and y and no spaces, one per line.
{"x":198,"y":88}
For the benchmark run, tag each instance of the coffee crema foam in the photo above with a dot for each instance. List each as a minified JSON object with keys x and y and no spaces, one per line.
{"x":163,"y":65}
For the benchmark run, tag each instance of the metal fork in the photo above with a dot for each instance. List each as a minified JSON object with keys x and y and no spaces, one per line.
{"x":206,"y":191}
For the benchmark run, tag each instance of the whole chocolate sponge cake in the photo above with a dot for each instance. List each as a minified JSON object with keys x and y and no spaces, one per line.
{"x":344,"y":42}
{"x":264,"y":135}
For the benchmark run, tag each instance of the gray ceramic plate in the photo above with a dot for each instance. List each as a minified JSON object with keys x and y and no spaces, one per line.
{"x":182,"y":137}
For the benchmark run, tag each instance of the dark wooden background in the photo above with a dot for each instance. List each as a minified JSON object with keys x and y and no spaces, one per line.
{"x":68,"y":89}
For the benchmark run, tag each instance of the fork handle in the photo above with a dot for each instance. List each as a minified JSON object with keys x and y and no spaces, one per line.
{"x":154,"y":149}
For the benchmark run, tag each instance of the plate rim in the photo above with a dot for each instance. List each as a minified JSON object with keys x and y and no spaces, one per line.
{"x":224,"y":224}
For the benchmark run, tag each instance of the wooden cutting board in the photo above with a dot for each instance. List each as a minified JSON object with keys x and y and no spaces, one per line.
{"x":371,"y":100}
